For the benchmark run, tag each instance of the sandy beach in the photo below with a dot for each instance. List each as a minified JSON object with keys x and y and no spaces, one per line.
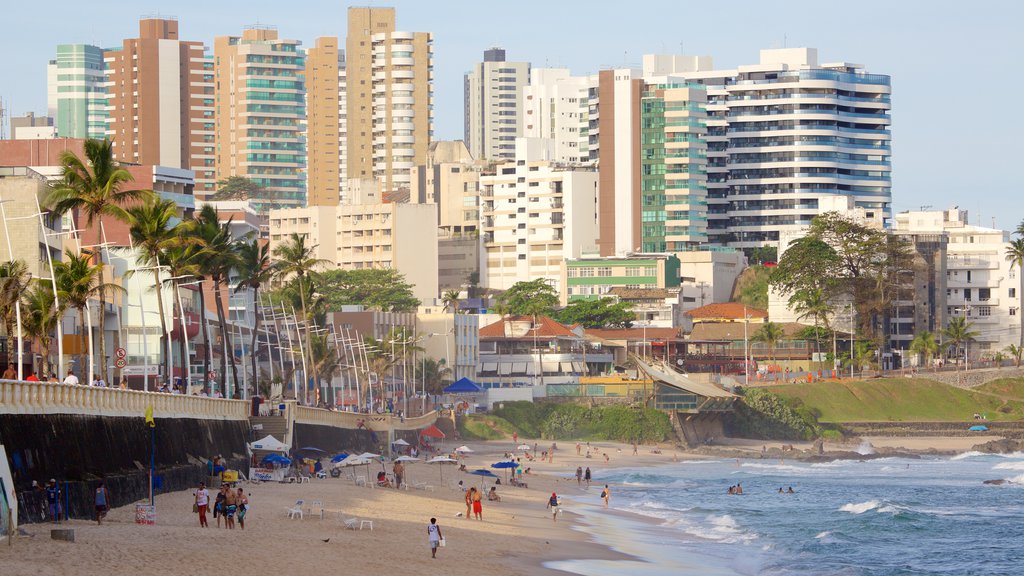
{"x":515,"y":537}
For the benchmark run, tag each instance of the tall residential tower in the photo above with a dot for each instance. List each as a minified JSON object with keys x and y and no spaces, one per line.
{"x":325,"y":65}
{"x":494,"y":105}
{"x":76,"y":96}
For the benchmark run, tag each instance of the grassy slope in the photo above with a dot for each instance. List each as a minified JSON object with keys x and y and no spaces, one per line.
{"x":903,"y":399}
{"x":1012,"y":388}
{"x":752,"y":287}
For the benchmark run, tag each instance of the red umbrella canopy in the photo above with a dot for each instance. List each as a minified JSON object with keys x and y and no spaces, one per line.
{"x":433,"y":432}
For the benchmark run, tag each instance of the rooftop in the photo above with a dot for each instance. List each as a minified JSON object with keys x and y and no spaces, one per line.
{"x":516,"y":327}
{"x":726,"y":311}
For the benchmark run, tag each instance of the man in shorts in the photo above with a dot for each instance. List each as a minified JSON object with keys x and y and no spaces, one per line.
{"x":102,"y":501}
{"x":230,"y":507}
{"x":434,"y":536}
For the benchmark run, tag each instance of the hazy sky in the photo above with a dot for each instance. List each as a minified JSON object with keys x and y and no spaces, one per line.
{"x":955,"y":66}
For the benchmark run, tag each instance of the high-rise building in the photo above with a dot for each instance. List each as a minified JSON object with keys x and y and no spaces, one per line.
{"x":76,"y":93}
{"x":534,"y":214}
{"x":160,"y":102}
{"x":32,"y":127}
{"x":403,"y":118}
{"x":494,"y":105}
{"x":363,"y":23}
{"x":557,"y":105}
{"x":325,"y":65}
{"x":260,"y":114}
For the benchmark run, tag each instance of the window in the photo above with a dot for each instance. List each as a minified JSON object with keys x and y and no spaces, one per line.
{"x":586,"y":272}
{"x":1013,"y":292}
{"x":571,"y":272}
{"x":605,"y":271}
{"x":1013,"y":311}
{"x":984,"y":310}
{"x":984,"y":294}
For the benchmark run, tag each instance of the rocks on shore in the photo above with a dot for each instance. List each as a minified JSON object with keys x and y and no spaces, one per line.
{"x":1001,"y":446}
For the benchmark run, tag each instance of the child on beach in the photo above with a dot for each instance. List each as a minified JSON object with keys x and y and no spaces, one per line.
{"x":434,"y":536}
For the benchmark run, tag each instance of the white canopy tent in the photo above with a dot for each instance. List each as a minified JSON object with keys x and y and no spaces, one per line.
{"x":269,"y":444}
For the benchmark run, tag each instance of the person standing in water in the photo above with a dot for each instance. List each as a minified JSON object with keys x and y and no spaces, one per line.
{"x":606,"y":495}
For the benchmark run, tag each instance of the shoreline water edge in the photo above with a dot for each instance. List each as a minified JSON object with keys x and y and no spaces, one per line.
{"x":923,"y":509}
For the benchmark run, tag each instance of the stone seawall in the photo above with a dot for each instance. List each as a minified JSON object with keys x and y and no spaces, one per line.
{"x":81,"y":449}
{"x":335,"y":440}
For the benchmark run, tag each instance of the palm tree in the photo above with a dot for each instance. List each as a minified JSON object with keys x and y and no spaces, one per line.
{"x":14,"y":280}
{"x":255,"y":269}
{"x":92,"y":188}
{"x":434,"y":375}
{"x":182,"y":261}
{"x":959,"y":331}
{"x":1016,"y":352}
{"x":41,"y":318}
{"x":153,"y":233}
{"x":771,"y":334}
{"x":295,"y":258}
{"x":1015,"y":255}
{"x":813,"y":304}
{"x":78,"y":281}
{"x":450,"y":299}
{"x":217,"y":261}
{"x":323,"y":355}
{"x":924,"y":344}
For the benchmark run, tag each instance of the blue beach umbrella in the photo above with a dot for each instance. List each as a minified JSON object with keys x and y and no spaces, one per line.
{"x":338,"y":458}
{"x":483,"y":473}
{"x":504,"y":465}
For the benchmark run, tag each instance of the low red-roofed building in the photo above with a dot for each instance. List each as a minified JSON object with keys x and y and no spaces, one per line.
{"x":727,"y":312}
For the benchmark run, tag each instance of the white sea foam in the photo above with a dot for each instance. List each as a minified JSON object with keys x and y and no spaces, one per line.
{"x":976,"y":454}
{"x":865,"y":448}
{"x":824,"y":534}
{"x":1009,"y":466}
{"x":721,"y":528}
{"x":859,"y":508}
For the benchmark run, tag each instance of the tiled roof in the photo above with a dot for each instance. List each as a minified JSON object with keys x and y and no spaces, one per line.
{"x":642,"y":293}
{"x":633,"y":333}
{"x":729,"y":310}
{"x":733,"y":331}
{"x":522,"y":327}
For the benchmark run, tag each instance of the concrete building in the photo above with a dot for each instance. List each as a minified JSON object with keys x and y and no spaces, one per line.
{"x":260,"y":113}
{"x":403,"y":117}
{"x":160,"y":102}
{"x":32,"y":127}
{"x":558,"y":106}
{"x":76,"y":91}
{"x":20,"y":189}
{"x":356,"y":236}
{"x":708,"y":276}
{"x":452,"y":337}
{"x":493,"y":105}
{"x":363,"y":23}
{"x":590,"y":277}
{"x":325,"y":65}
{"x":980,"y":285}
{"x":317,"y":225}
{"x":535,"y":213}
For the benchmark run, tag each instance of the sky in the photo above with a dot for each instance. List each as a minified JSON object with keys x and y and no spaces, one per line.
{"x":955,"y":66}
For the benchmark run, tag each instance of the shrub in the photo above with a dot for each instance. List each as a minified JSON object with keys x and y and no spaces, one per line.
{"x":766,"y":416}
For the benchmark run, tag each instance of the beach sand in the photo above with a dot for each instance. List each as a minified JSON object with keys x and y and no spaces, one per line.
{"x":516,"y":536}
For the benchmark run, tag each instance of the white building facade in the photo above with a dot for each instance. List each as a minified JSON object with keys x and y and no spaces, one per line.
{"x":494,"y":105}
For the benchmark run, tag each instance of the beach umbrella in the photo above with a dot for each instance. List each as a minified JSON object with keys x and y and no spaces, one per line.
{"x":464,"y":449}
{"x":978,"y":428}
{"x":357,"y":461}
{"x":483,"y":473}
{"x":504,"y":465}
{"x":400,"y":442}
{"x":441,"y":461}
{"x":523,"y":447}
{"x":338,"y":458}
{"x":406,"y":459}
{"x":311,"y":449}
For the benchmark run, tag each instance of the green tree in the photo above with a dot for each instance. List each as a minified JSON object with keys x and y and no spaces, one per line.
{"x":255,"y":270}
{"x":924,"y":344}
{"x":1015,"y":352}
{"x":382,"y":289}
{"x":14,"y":280}
{"x":814,"y":304}
{"x":771,"y":334}
{"x":1015,"y":255}
{"x":41,"y":318}
{"x":182,"y":262}
{"x":91,"y":186}
{"x":153,"y":232}
{"x":215,"y":261}
{"x":78,"y":281}
{"x":597,"y":313}
{"x":751,"y":288}
{"x":530,"y":298}
{"x":239,"y":188}
{"x":295,"y":258}
{"x":959,"y":332}
{"x":324,"y":357}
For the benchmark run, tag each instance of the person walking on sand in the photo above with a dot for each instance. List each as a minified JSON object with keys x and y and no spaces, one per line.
{"x":230,"y":508}
{"x":579,"y":476}
{"x":586,"y":476}
{"x":634,"y":448}
{"x":434,"y":536}
{"x":606,"y":495}
{"x":553,"y":506}
{"x":218,"y":506}
{"x":469,"y":502}
{"x":202,"y":503}
{"x":102,"y":501}
{"x":243,"y":507}
{"x":478,"y":505}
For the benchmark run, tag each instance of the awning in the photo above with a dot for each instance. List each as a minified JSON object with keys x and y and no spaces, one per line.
{"x":490,"y":367}
{"x":463,"y":386}
{"x":504,"y":368}
{"x":550,"y":366}
{"x":519,"y":368}
{"x":579,"y":367}
{"x":567,"y":368}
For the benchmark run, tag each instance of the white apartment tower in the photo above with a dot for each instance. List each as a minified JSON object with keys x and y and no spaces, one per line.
{"x":557,"y":105}
{"x":402,"y":102}
{"x":494,"y":105}
{"x":76,"y":92}
{"x":535,"y":213}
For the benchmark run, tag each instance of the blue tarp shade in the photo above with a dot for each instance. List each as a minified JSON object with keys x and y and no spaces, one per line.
{"x":338,"y":458}
{"x":463,"y":386}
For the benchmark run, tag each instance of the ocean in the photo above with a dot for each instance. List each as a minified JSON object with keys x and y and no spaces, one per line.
{"x":883,"y":517}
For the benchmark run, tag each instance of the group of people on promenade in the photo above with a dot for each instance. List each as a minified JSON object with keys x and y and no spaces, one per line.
{"x":230,"y":503}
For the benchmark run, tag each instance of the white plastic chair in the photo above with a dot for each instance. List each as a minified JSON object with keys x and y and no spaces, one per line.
{"x":350,"y":523}
{"x":296,"y":511}
{"x":317,"y":508}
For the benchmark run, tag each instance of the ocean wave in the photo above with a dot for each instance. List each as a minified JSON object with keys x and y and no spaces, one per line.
{"x":859,"y":508}
{"x":824,"y":534}
{"x":1009,"y":466}
{"x":721,"y":528}
{"x":976,"y":454}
